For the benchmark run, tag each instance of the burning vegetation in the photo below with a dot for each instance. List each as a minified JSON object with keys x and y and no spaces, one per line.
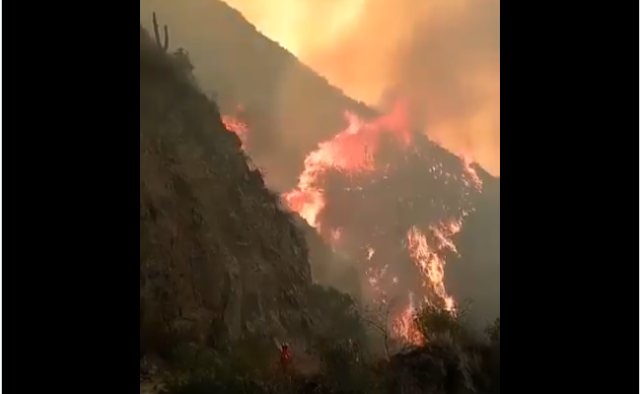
{"x":377,"y":193}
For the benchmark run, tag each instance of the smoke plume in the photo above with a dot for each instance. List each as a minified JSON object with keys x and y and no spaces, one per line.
{"x":443,"y":56}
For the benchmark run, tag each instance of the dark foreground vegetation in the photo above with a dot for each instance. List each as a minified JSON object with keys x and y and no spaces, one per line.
{"x":224,"y":275}
{"x":454,"y":360}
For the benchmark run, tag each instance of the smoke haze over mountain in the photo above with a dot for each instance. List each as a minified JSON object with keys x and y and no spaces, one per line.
{"x":441,"y":55}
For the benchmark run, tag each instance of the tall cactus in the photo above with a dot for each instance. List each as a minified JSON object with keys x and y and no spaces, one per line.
{"x":156,"y":32}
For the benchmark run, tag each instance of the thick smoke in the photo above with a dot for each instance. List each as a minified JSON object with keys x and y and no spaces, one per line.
{"x":442,"y":55}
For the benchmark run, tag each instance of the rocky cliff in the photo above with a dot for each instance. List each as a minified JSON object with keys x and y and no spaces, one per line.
{"x":218,"y":255}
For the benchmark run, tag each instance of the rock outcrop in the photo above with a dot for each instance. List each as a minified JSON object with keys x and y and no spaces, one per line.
{"x":218,"y":254}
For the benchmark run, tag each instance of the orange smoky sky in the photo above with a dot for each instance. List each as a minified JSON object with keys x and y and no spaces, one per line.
{"x":443,"y":56}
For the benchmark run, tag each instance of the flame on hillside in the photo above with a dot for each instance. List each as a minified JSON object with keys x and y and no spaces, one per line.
{"x":337,"y":194}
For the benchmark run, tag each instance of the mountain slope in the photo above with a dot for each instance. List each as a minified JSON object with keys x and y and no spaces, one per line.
{"x":218,"y":256}
{"x":291,"y":109}
{"x":297,"y":107}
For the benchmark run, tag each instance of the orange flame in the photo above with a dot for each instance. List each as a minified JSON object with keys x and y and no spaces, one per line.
{"x":237,"y":126}
{"x":350,"y":151}
{"x":353,"y":153}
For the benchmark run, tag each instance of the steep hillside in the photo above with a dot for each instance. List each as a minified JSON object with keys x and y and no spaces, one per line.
{"x":224,"y":270}
{"x":297,"y":107}
{"x":219,"y":258}
{"x":290,"y":109}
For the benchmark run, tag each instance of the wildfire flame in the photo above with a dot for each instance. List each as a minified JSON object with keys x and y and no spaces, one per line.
{"x":350,"y":151}
{"x":354,"y":156}
{"x":237,"y":126}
